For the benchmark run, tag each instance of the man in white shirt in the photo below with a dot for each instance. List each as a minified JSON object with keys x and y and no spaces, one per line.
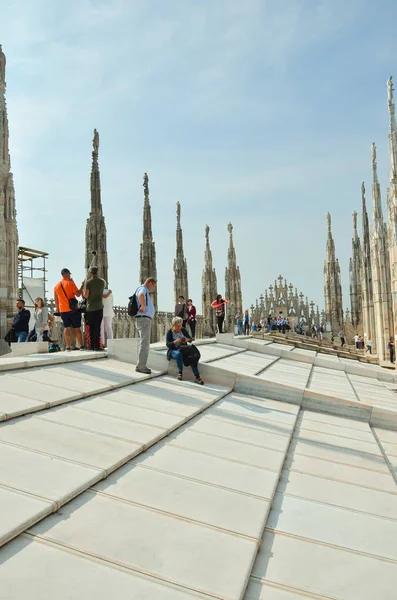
{"x":108,"y":314}
{"x":357,"y":340}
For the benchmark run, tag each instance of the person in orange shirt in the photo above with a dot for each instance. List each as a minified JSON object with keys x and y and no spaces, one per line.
{"x":65,"y":293}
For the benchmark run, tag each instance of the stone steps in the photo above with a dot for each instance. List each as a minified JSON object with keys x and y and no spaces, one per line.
{"x":184,"y":518}
{"x":332,"y":528}
{"x":35,"y":387}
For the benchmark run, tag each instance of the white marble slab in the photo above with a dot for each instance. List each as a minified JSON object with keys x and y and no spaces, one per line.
{"x":12,"y":405}
{"x":335,"y":526}
{"x":19,"y":511}
{"x":335,"y":420}
{"x":337,"y":453}
{"x":53,"y":572}
{"x":227,"y":449}
{"x":288,"y":372}
{"x":250,"y":435}
{"x":211,"y":505}
{"x":306,"y":566}
{"x":206,"y":468}
{"x":37,"y":391}
{"x":68,"y":442}
{"x":258,"y":590}
{"x":207,"y":560}
{"x":368,"y":446}
{"x":51,"y":478}
{"x":312,"y":465}
{"x":111,"y":426}
{"x":336,"y":493}
{"x":386,"y":435}
{"x":306,"y":422}
{"x":61,"y":380}
{"x":246,"y":363}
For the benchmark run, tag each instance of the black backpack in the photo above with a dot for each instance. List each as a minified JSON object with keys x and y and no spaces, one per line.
{"x":132,"y":308}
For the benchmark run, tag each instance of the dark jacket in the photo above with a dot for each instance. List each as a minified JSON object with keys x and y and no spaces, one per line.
{"x":21,"y":321}
{"x":180,"y":311}
{"x":169,"y":340}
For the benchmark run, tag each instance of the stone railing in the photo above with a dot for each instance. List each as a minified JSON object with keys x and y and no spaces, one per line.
{"x":124,"y":326}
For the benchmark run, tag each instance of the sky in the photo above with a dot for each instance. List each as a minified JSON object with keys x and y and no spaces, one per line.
{"x":257,"y":112}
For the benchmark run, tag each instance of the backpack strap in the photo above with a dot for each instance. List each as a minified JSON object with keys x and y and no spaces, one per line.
{"x":64,"y":291}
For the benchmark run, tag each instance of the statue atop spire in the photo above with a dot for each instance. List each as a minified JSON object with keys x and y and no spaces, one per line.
{"x":146,"y":187}
{"x":374,"y":164}
{"x":355,"y":222}
{"x":355,"y":276}
{"x":181,"y":287}
{"x":329,"y":223}
{"x":232,"y":284}
{"x":95,"y":231}
{"x":2,"y":65}
{"x":95,"y":141}
{"x":391,"y":105}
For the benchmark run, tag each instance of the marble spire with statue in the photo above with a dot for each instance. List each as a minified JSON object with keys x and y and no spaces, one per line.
{"x":148,"y":266}
{"x":392,"y":202}
{"x":181,"y":286}
{"x":232,"y":284}
{"x":368,"y":324}
{"x":380,"y":267}
{"x":209,"y":289}
{"x":355,"y":277}
{"x":95,"y":231}
{"x":332,"y":285}
{"x":8,"y":222}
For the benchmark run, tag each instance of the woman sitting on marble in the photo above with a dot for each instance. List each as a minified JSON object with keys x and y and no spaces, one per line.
{"x":178,"y":337}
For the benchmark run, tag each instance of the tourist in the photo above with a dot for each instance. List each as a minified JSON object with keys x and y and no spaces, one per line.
{"x":106,"y":325}
{"x":341,"y":336}
{"x":41,"y":325}
{"x":219,"y":306}
{"x":362,"y":344}
{"x":143,"y":322}
{"x":191,"y":317}
{"x":180,"y":310}
{"x":177,"y":338}
{"x":283,"y":324}
{"x":369,"y":347}
{"x":246,"y":322}
{"x":253,"y":327}
{"x":66,"y":305}
{"x":238,"y":317}
{"x":20,"y":322}
{"x":357,"y":341}
{"x":269,"y":323}
{"x":93,"y":292}
{"x":390,"y":347}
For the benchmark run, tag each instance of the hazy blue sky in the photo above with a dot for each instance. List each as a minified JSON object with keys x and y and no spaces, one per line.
{"x":258,"y":112}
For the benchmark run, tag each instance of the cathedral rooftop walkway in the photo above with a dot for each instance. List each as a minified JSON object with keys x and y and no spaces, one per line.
{"x":163,"y":489}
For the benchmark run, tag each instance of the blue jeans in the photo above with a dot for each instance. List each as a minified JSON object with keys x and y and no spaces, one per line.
{"x":177,"y":354}
{"x":22,"y":336}
{"x":240,"y":327}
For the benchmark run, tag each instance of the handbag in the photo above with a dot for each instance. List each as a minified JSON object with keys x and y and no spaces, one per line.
{"x":73,"y":304}
{"x":191,"y":355}
{"x":10,"y":337}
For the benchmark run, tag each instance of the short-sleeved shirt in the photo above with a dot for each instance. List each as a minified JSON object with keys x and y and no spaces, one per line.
{"x":95,"y":285}
{"x":149,"y":308}
{"x":63,"y":297}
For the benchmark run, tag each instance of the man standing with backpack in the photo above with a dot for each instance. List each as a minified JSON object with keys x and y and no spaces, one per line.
{"x":143,"y":322}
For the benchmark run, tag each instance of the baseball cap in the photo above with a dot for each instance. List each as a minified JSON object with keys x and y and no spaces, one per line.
{"x":94,"y":270}
{"x":64,"y":271}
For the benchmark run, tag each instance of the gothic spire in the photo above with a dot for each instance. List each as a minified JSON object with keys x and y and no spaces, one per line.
{"x":8,"y":224}
{"x":209,"y":288}
{"x":95,"y":231}
{"x":96,"y":204}
{"x":332,"y":284}
{"x":148,"y":251}
{"x":232,"y":283}
{"x":355,"y":276}
{"x":180,"y":264}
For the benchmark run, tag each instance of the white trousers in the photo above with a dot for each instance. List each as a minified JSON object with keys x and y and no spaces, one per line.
{"x":106,"y":327}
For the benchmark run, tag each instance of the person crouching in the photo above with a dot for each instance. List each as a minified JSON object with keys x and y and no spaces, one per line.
{"x":177,"y":336}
